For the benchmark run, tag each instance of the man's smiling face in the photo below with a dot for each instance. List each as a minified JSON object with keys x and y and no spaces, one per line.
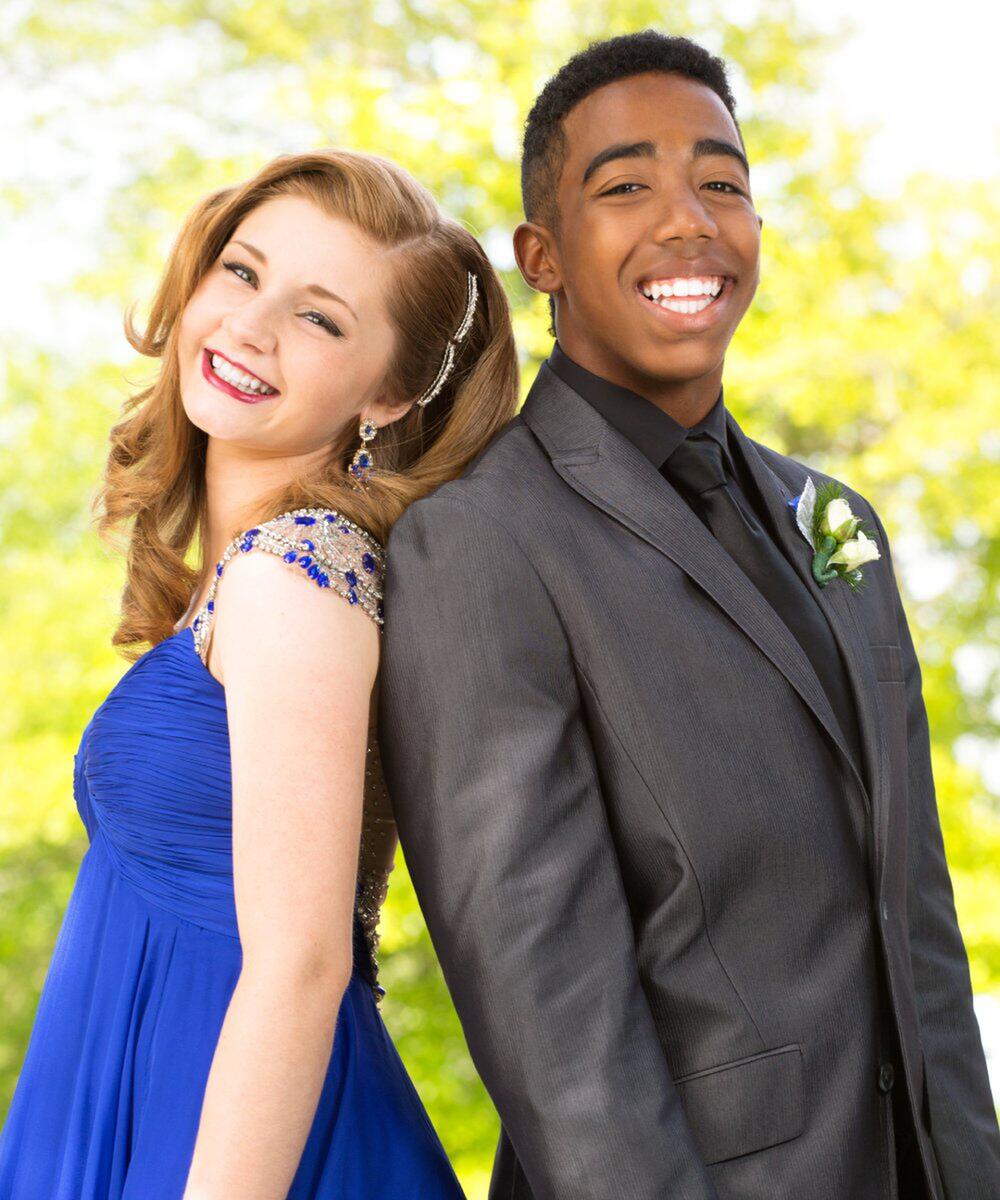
{"x":655,"y":257}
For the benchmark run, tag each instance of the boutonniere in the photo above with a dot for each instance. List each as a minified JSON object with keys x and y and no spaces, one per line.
{"x":840,"y":546}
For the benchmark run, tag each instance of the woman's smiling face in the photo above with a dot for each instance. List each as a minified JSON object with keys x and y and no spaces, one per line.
{"x":287,"y":338}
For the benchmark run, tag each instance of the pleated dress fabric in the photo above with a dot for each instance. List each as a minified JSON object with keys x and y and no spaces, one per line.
{"x":108,"y":1101}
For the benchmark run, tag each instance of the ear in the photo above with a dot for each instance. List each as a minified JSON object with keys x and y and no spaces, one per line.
{"x":383,"y":410}
{"x":538,"y":257}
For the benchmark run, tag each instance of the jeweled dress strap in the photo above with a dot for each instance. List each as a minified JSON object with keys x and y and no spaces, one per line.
{"x":328,"y":548}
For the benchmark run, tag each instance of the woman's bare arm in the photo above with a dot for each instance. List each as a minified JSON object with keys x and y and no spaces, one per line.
{"x":298,"y":665}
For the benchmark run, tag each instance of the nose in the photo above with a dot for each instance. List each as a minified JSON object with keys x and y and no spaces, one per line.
{"x":682,"y":215}
{"x":251,"y":324}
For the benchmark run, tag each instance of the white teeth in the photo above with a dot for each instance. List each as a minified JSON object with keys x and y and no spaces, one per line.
{"x":683,"y":286}
{"x":705,"y":290}
{"x":238,"y":378}
{"x":686,"y":306}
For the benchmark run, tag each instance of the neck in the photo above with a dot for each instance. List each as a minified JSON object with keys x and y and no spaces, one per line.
{"x":688,"y":401}
{"x":238,"y":482}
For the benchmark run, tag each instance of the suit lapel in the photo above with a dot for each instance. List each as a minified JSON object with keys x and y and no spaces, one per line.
{"x":839,"y":606}
{"x":606,"y":469}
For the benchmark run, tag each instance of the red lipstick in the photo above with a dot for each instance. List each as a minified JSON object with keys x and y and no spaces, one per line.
{"x":228,"y":388}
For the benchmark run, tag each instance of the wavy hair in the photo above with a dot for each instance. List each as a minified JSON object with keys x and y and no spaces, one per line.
{"x":152,"y":502}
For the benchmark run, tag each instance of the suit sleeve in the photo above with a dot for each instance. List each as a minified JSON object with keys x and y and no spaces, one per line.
{"x":962,"y":1118}
{"x":497,"y":796}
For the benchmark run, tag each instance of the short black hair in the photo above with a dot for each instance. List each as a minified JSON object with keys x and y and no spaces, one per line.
{"x":602,"y":63}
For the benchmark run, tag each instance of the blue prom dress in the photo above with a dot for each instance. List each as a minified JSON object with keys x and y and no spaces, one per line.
{"x":148,"y":955}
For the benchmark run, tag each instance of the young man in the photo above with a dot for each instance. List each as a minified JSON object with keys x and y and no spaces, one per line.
{"x":666,"y":798}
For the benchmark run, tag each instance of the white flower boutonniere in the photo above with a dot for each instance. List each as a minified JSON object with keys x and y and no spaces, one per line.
{"x":840,"y":546}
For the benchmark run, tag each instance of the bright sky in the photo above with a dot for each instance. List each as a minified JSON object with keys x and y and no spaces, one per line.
{"x":926,"y":73}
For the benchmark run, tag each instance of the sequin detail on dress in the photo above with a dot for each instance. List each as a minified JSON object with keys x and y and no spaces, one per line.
{"x":335,"y":553}
{"x":326,"y":547}
{"x":375,"y":861}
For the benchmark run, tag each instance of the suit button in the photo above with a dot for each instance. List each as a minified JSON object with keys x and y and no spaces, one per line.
{"x":886,"y":1077}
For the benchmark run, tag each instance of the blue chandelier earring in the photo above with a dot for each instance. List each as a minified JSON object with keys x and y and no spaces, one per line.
{"x":362,"y":464}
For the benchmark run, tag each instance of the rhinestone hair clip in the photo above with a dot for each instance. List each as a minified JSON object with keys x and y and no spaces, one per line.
{"x":449,"y":355}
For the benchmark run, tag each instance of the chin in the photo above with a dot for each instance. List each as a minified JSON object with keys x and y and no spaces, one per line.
{"x":207,"y":414}
{"x":198,"y":408}
{"x":677,"y":362}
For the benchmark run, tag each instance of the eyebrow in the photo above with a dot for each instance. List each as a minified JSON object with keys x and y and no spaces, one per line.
{"x":701,"y":149}
{"x":313,"y":288}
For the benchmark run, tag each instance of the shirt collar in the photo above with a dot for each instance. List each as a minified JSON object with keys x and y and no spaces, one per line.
{"x":652,"y":431}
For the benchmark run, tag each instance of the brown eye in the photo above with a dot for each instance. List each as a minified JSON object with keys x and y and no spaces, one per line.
{"x":324,"y":323}
{"x":616,"y":190}
{"x":236,"y":267}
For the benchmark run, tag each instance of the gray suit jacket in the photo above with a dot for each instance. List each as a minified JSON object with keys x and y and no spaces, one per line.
{"x":658,"y":887}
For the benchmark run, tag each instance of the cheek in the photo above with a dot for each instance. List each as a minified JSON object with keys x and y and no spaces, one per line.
{"x":321,"y":384}
{"x":196,"y":319}
{"x":591,"y":258}
{"x":606,"y":243}
{"x":745,"y":236}
{"x":332,"y":384}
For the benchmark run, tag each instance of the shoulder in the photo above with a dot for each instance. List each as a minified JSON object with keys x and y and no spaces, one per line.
{"x":509,"y":487}
{"x":266,"y":570}
{"x":453,"y":531}
{"x":274,"y":622}
{"x":325,"y":547}
{"x":297,"y":663}
{"x":507,"y":475}
{"x":793,"y":474}
{"x":458,"y":552}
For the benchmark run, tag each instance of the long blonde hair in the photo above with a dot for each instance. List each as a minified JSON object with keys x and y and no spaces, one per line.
{"x":152,"y":504}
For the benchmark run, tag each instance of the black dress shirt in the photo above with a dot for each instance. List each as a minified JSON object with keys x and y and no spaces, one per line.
{"x":647,"y":427}
{"x":655,"y":433}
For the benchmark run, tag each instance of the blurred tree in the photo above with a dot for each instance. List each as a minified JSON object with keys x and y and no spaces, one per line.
{"x":867,"y":353}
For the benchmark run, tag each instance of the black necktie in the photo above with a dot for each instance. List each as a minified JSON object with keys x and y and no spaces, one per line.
{"x":697,"y":471}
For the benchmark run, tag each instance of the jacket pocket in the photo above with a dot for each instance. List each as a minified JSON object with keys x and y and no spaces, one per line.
{"x":888,"y":663}
{"x":746,"y":1105}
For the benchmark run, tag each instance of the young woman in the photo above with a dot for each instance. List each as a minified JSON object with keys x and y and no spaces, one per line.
{"x":332,"y":349}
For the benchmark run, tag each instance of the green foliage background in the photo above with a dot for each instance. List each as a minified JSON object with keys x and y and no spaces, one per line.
{"x":867,"y":353}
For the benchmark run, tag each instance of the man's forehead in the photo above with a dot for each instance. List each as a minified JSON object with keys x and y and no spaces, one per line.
{"x":666,"y":109}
